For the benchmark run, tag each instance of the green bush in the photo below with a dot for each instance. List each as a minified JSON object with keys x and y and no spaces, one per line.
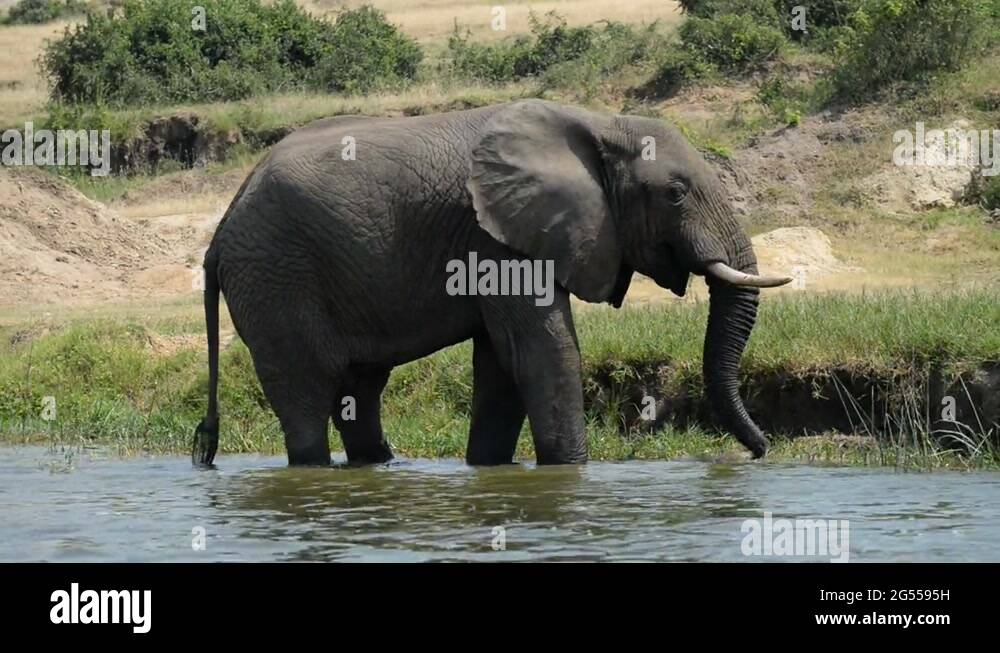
{"x":551,"y":42}
{"x":713,"y":39}
{"x":492,"y":63}
{"x":614,"y":50}
{"x":155,"y":51}
{"x":819,"y":13}
{"x":678,"y":68}
{"x":983,"y":190}
{"x":762,"y":11}
{"x":732,"y":42}
{"x":991,"y":194}
{"x":893,"y":41}
{"x":691,"y":6}
{"x":821,"y":16}
{"x":366,"y":52}
{"x":786,"y":100}
{"x":42,"y":11}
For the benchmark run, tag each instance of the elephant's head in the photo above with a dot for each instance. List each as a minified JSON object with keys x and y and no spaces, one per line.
{"x":603,"y":196}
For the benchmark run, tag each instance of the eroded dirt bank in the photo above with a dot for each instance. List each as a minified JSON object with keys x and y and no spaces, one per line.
{"x":841,"y":399}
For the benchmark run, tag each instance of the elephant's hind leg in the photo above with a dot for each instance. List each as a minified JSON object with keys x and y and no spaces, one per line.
{"x":497,"y":410}
{"x":299,"y":383}
{"x":302,"y":404}
{"x":357,"y":415}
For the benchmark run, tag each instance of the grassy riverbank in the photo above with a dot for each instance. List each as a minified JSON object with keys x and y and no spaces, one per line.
{"x":138,"y":384}
{"x":866,"y":372}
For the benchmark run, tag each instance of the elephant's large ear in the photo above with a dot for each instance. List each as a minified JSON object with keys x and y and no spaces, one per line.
{"x":536,"y":186}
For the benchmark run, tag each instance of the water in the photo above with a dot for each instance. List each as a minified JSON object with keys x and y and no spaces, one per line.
{"x":87,"y":506}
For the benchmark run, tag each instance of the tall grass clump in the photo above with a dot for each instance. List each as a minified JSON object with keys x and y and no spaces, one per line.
{"x":157,"y":51}
{"x":909,"y":434}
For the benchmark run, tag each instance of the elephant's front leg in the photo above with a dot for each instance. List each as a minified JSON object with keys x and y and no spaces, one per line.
{"x":539,"y":346}
{"x":497,"y":409}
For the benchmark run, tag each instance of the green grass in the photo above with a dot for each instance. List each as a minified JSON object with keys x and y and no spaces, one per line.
{"x":113,"y":386}
{"x":880,"y":329}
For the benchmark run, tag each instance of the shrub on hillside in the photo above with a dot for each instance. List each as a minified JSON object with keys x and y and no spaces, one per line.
{"x":893,"y":41}
{"x":983,"y":190}
{"x":677,"y":68}
{"x":823,"y":18}
{"x":732,"y":42}
{"x":551,"y":42}
{"x":488,"y":62}
{"x":42,"y":11}
{"x":991,"y":194}
{"x":156,"y":51}
{"x":614,"y":50}
{"x":366,"y":51}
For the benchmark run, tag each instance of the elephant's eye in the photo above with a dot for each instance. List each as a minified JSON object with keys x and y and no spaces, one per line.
{"x":676,"y":192}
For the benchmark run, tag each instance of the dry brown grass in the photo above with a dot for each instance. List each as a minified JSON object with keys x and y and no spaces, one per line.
{"x":22,"y":89}
{"x":431,"y":20}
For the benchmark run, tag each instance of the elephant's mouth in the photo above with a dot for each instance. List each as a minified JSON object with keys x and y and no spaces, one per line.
{"x":672,"y":276}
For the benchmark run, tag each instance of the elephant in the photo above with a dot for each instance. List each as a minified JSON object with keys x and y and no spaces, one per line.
{"x":337,"y":260}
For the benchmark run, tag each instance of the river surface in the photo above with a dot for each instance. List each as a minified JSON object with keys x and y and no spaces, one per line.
{"x":84,"y":505}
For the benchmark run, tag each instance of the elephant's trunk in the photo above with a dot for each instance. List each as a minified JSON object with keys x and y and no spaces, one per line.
{"x":731,"y":316}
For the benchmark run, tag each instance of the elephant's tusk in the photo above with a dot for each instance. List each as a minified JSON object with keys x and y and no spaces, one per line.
{"x":723,"y":272}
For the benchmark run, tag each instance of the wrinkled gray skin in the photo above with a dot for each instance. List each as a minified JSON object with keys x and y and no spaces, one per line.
{"x":334,"y":270}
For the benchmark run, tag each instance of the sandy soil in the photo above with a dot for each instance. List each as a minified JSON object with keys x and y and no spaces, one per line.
{"x":58,"y":247}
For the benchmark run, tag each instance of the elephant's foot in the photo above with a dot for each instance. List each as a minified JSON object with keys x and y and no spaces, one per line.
{"x":373,"y":454}
{"x":300,"y":458}
{"x":306,"y":440}
{"x":488,"y":459}
{"x":565,"y":451}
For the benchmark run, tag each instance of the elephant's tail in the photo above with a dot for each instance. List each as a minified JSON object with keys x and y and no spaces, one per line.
{"x":206,"y":435}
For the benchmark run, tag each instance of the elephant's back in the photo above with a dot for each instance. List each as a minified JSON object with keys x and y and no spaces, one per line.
{"x":356,"y":207}
{"x":404,"y":134}
{"x":383,"y":178}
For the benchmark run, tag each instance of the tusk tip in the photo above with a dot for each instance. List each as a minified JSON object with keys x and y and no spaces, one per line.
{"x":725,"y":273}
